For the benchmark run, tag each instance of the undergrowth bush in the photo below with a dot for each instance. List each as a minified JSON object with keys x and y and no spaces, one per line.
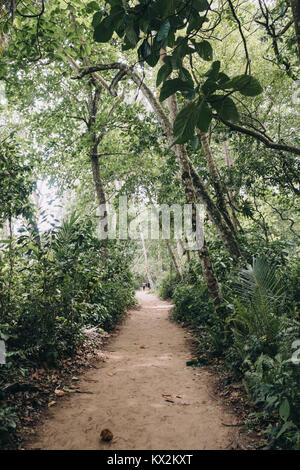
{"x":53,"y":287}
{"x":168,"y":285}
{"x":192,"y":304}
{"x":257,"y":336}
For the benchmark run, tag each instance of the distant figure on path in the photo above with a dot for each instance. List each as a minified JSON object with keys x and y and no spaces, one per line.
{"x":144,"y":285}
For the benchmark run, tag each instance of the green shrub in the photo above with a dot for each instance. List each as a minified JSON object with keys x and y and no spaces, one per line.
{"x":192,"y":304}
{"x":168,"y":285}
{"x":8,"y":422}
{"x":274,"y":385}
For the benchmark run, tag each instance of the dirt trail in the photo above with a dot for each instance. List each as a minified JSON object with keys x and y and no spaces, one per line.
{"x":145,"y":360}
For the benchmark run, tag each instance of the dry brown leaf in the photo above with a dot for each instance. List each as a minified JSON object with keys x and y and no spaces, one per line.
{"x":51,"y":403}
{"x":106,"y":435}
{"x":59,"y":393}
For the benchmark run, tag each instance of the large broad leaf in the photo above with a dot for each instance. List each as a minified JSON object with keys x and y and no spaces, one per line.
{"x":92,"y":6}
{"x":153,"y":58}
{"x":144,"y":50}
{"x":204,"y":116}
{"x":163,"y":31}
{"x":131,"y":34}
{"x":163,"y":73}
{"x":171,"y":86}
{"x":213,"y":72}
{"x":204,"y":50}
{"x":97,"y":18}
{"x":245,"y":84}
{"x":185,"y":76}
{"x":284,"y":409}
{"x":225,"y":107}
{"x":104,"y":30}
{"x":209,"y":87}
{"x":195,"y":22}
{"x":200,"y":5}
{"x":185,"y":122}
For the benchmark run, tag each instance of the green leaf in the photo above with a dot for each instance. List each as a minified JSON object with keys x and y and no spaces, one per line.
{"x":163,"y":31}
{"x":185,"y":76}
{"x":195,"y":23}
{"x":204,"y":50}
{"x":245,"y":84}
{"x":200,"y":5}
{"x":204,"y":116}
{"x":284,"y":409}
{"x":287,"y":425}
{"x":209,"y":87}
{"x":171,"y":86}
{"x":163,"y":73}
{"x":97,"y":18}
{"x":185,"y":122}
{"x":144,"y":50}
{"x":104,"y":31}
{"x":92,"y":6}
{"x":213,"y":72}
{"x":153,"y":58}
{"x":225,"y":107}
{"x":131,"y":34}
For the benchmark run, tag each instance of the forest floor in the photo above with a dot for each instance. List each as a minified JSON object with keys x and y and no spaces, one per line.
{"x":143,"y":393}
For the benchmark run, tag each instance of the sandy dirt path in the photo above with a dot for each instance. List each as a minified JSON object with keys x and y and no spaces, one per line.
{"x":145,"y":360}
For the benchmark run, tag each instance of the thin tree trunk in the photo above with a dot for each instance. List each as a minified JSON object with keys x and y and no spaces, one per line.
{"x":146,"y":258}
{"x":209,"y":276}
{"x":229,"y":163}
{"x":93,"y":105}
{"x":216,"y":180}
{"x":173,"y":257}
{"x":207,"y":269}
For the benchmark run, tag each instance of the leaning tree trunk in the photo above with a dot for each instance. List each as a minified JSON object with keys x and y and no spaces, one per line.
{"x":207,"y":269}
{"x":173,"y":257}
{"x":216,"y":181}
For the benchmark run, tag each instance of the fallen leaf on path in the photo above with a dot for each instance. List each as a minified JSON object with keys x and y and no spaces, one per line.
{"x":75,"y":379}
{"x":110,"y":373}
{"x":69,"y":390}
{"x":60,"y":393}
{"x":166,"y":395}
{"x":169,"y":400}
{"x":51,"y":403}
{"x":106,"y":435}
{"x":142,"y":347}
{"x":178,"y":396}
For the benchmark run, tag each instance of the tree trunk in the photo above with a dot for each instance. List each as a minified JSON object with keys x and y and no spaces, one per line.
{"x":173,"y":257}
{"x":216,"y":180}
{"x":295,"y":4}
{"x":229,"y":163}
{"x":207,"y":269}
{"x":93,"y":104}
{"x":146,"y":259}
{"x":193,"y":182}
